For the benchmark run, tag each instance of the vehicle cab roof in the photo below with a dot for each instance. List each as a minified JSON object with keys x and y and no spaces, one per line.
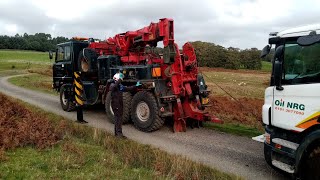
{"x":299,"y":31}
{"x":73,"y":42}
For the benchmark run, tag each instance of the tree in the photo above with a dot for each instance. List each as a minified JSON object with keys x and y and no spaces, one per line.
{"x":37,"y":42}
{"x":211,"y":55}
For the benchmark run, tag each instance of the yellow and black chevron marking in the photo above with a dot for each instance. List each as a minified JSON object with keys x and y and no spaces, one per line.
{"x":78,"y":88}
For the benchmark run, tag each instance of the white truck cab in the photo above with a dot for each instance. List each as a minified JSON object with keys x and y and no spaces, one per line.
{"x":291,"y":110}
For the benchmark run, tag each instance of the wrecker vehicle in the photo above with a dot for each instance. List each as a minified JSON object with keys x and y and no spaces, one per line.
{"x":172,"y":86}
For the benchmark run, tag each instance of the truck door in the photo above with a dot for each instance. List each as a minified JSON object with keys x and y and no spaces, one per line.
{"x":297,"y":106}
{"x":62,"y":68}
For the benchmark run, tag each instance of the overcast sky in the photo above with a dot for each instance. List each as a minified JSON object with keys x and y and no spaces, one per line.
{"x":236,"y":23}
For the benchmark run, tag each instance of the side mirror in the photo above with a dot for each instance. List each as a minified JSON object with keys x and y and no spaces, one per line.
{"x":50,"y":54}
{"x":278,"y":74}
{"x":277,"y":71}
{"x":279,"y":53}
{"x":265,"y":51}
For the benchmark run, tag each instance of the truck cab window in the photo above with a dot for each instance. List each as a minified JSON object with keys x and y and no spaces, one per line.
{"x":67,"y":53}
{"x":63,"y":54}
{"x":301,"y":64}
{"x":60,"y":54}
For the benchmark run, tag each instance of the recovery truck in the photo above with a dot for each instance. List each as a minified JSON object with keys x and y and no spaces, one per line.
{"x":291,"y":110}
{"x":172,"y":87}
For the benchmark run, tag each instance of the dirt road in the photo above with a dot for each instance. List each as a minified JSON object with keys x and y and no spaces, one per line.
{"x":239,"y":155}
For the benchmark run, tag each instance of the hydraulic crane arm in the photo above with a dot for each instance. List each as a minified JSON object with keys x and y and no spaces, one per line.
{"x":131,"y":44}
{"x":149,"y":35}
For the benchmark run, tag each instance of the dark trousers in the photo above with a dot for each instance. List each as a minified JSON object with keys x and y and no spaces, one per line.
{"x":117,"y":121}
{"x":117,"y":125}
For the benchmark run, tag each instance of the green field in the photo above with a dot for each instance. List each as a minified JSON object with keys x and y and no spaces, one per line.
{"x":237,"y":83}
{"x":29,"y":56}
{"x":266,"y":66}
{"x":14,"y":62}
{"x":21,"y":61}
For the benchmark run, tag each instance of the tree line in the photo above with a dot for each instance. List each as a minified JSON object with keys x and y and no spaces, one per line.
{"x":212,"y":55}
{"x":208,"y":54}
{"x":37,"y":42}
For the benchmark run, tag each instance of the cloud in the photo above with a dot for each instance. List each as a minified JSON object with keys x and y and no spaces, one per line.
{"x":237,"y":23}
{"x":11,"y":28}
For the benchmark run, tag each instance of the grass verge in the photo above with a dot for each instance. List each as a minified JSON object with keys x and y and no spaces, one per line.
{"x":37,"y":82}
{"x":61,"y":149}
{"x":236,"y":129}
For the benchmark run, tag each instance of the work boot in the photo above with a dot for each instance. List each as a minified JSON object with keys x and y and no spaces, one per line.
{"x":121,"y":136}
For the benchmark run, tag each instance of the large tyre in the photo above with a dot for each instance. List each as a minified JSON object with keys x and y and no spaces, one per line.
{"x":311,"y":169}
{"x":127,"y":98}
{"x":66,"y":103}
{"x":145,"y":112}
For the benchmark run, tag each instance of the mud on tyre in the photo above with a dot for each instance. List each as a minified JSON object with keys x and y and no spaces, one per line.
{"x":145,"y":112}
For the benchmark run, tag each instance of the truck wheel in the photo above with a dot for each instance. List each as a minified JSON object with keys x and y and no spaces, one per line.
{"x":312,"y":166}
{"x":127,"y":98}
{"x":66,"y":103}
{"x":145,"y":112}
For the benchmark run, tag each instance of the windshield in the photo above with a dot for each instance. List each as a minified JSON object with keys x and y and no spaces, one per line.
{"x":301,"y":64}
{"x":63,"y":53}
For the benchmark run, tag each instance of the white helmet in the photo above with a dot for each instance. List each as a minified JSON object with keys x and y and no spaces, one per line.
{"x":118,"y":76}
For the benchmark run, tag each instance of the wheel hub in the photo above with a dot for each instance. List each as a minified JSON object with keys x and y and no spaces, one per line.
{"x":143,"y":111}
{"x":64,"y":100}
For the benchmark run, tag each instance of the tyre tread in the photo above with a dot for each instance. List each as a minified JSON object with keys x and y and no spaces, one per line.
{"x":158,"y":121}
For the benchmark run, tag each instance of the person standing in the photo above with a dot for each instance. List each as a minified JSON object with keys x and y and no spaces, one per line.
{"x":117,"y":89}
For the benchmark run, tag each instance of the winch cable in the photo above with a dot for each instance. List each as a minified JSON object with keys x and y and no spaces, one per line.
{"x":237,"y":100}
{"x":234,"y":98}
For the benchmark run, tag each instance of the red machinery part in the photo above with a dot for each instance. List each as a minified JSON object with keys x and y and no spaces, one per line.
{"x":181,"y":70}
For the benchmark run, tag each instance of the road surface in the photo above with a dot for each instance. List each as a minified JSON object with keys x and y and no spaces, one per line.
{"x":229,"y":153}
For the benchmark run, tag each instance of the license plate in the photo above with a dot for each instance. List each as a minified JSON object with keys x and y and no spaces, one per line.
{"x":205,"y":100}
